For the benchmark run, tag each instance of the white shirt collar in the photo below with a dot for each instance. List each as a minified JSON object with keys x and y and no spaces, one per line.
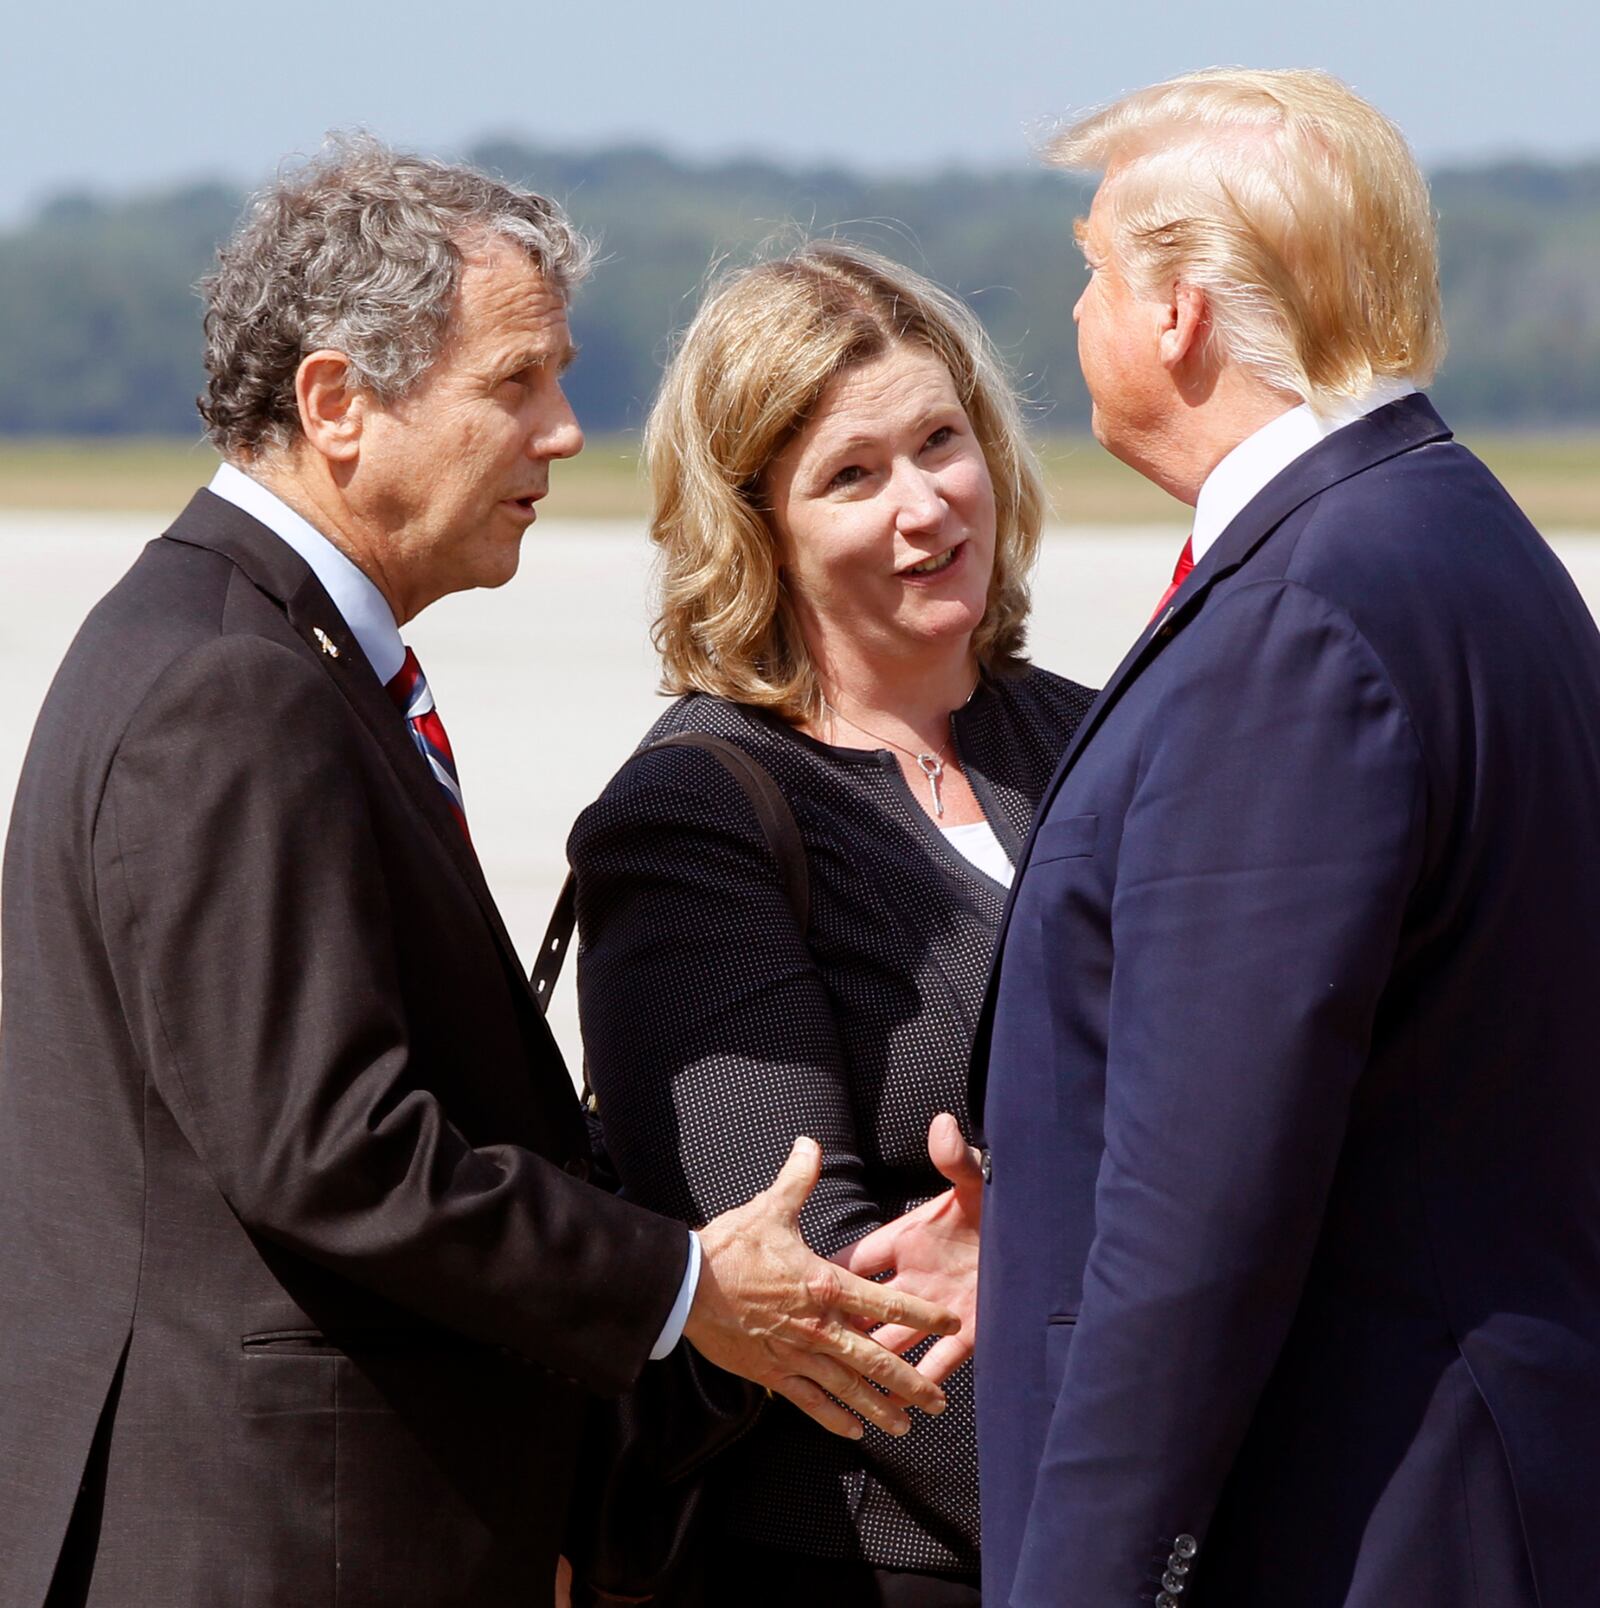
{"x":1270,"y":450}
{"x":365,"y":611}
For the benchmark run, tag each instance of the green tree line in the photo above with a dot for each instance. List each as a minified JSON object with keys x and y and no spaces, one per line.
{"x":99,"y":323}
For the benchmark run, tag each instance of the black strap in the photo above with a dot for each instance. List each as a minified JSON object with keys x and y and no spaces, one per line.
{"x":777,"y":827}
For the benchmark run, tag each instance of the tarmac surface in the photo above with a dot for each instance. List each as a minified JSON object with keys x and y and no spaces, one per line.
{"x":547,"y":684}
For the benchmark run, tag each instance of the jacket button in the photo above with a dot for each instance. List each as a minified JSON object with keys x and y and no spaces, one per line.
{"x":1186,"y":1546}
{"x":578,"y":1167}
{"x":1172,"y":1581}
{"x":986,"y":1165}
{"x":1166,"y":1600}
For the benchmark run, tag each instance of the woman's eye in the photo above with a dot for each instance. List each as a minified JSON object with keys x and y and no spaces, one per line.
{"x":940,"y":437}
{"x":848,"y":476}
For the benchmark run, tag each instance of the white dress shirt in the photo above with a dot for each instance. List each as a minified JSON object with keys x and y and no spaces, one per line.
{"x":1271,"y":449}
{"x":357,"y":599}
{"x":372,"y":624}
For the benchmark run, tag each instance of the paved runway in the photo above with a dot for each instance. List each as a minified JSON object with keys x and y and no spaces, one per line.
{"x":547,"y":684}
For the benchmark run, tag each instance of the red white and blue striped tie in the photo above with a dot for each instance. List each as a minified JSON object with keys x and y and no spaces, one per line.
{"x":409,"y":689}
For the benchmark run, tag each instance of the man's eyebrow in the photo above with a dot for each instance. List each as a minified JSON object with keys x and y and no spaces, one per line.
{"x":1080,"y":233}
{"x":526,"y":357}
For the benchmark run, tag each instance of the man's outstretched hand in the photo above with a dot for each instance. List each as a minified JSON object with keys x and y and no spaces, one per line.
{"x":932,"y":1252}
{"x":768,"y":1308}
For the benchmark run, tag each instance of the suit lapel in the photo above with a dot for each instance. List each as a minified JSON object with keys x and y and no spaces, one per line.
{"x":276,"y":569}
{"x":1383,"y":434}
{"x":1410,"y":422}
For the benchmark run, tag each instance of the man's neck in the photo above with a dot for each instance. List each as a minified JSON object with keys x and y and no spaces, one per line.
{"x":313,"y":495}
{"x":1199,"y":435}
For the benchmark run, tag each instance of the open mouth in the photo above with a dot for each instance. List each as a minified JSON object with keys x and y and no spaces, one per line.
{"x":939,"y":561}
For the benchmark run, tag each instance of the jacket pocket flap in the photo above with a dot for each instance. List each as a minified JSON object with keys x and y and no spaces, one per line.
{"x":1066,"y":838}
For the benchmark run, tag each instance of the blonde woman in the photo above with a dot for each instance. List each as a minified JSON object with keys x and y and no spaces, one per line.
{"x":846,"y":513}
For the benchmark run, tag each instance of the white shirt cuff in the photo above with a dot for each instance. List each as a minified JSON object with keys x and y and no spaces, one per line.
{"x":672,"y":1330}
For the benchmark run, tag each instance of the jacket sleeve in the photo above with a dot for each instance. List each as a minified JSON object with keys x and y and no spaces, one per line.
{"x":708,"y":1032}
{"x":1272,"y":840}
{"x":242,"y":886}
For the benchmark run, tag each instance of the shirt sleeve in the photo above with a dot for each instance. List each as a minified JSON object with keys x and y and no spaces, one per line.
{"x":672,"y":1329}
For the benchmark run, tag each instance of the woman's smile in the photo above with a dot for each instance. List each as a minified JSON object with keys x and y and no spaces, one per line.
{"x":939,"y":564}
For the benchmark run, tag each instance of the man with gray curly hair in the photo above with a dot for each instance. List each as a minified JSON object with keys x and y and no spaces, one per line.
{"x":302,"y":1283}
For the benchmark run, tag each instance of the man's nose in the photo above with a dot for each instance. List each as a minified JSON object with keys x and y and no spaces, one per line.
{"x":558,"y":436}
{"x":1077,"y":306}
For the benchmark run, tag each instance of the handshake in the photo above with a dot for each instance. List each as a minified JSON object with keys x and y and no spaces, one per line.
{"x":823,"y":1333}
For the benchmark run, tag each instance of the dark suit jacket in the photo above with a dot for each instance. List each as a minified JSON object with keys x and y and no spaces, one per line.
{"x":1293,"y":1243}
{"x":287,"y":1155}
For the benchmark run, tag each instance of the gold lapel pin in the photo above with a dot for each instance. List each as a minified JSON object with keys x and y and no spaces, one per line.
{"x":329,"y":646}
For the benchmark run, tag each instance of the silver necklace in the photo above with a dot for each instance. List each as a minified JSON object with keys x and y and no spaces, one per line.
{"x":931,"y":765}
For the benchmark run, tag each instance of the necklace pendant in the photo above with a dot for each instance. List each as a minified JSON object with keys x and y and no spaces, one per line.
{"x":932,"y":767}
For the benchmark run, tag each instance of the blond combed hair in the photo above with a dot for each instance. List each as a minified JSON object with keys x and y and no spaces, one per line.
{"x":1296,"y":206}
{"x":749,"y":373}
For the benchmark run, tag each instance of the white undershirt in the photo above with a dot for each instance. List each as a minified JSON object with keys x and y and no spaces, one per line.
{"x":976,"y":842}
{"x":1270,"y":450}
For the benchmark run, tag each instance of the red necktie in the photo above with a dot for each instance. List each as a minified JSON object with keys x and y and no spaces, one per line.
{"x":1179,"y":575}
{"x":409,"y":689}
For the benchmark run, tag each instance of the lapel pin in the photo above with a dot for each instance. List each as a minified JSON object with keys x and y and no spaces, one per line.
{"x":328,"y":645}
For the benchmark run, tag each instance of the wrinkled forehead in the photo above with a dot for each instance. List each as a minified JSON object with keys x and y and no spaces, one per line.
{"x":505,"y":299}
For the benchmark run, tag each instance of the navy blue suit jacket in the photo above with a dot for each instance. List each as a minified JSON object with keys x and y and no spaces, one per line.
{"x":1288,"y":1075}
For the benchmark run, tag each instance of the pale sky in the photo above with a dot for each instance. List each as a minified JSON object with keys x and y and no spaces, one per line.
{"x":115,"y":97}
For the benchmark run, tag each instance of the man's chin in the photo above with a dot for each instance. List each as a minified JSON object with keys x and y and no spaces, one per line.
{"x":1123,"y":450}
{"x":498,"y":574}
{"x":495,"y":564}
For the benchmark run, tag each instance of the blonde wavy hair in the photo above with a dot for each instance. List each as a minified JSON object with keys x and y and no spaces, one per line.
{"x":1297,"y":207}
{"x":750,"y":372}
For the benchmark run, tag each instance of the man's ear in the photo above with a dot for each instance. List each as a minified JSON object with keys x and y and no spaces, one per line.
{"x":332,"y":409}
{"x":1183,"y":329}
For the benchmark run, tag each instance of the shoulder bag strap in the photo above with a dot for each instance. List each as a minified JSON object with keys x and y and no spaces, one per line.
{"x":778,"y":827}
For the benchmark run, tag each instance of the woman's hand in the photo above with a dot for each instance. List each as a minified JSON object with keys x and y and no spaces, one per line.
{"x":932,"y":1252}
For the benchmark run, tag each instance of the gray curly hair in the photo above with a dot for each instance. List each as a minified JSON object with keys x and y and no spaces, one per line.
{"x":360,"y":251}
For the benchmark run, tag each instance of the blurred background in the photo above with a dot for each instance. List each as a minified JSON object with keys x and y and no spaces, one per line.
{"x":684,"y":137}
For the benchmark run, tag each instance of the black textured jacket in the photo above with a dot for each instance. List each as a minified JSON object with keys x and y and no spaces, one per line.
{"x":714,"y":1034}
